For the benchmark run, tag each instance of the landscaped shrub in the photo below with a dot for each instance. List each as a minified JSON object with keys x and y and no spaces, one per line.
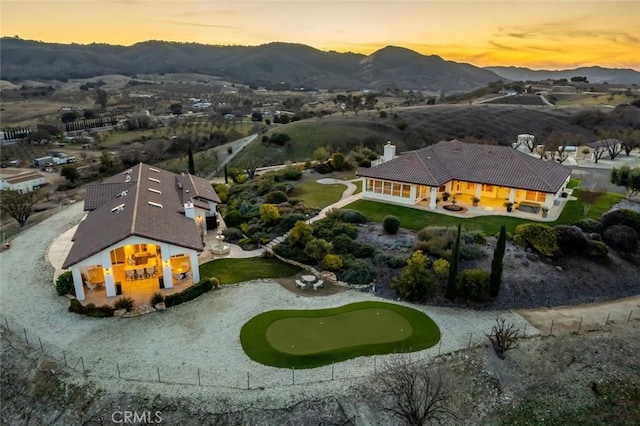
{"x":329,"y":227}
{"x":157,"y":298}
{"x":597,"y":249}
{"x":189,"y":293}
{"x":357,"y":272}
{"x":588,"y":225}
{"x":91,"y":310}
{"x":233,"y":218}
{"x":289,"y":251}
{"x":541,"y":238}
{"x":416,"y":282}
{"x":439,"y":246}
{"x":323,"y":168}
{"x":232,"y":234}
{"x":353,"y":216}
{"x":396,"y":262}
{"x":276,"y":197}
{"x":292,"y":173}
{"x":363,"y":250}
{"x":215,"y":283}
{"x":300,"y":234}
{"x":441,"y":268}
{"x":125,"y":303}
{"x":391,"y":224}
{"x":474,"y":237}
{"x":269,"y":213}
{"x":342,"y":244}
{"x":64,"y":284}
{"x":625,"y":217}
{"x":621,"y":238}
{"x":471,"y":252}
{"x":571,"y":239}
{"x":473,"y":284}
{"x":332,"y":262}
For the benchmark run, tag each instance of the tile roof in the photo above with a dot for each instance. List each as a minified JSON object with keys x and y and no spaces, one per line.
{"x":603,"y":143}
{"x":151,"y":207}
{"x":24,"y":178}
{"x":437,"y":164}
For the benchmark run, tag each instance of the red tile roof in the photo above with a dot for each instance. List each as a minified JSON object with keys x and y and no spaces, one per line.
{"x":437,"y":164}
{"x":145,"y":201}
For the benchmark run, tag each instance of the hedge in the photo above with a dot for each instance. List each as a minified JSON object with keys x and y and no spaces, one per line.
{"x":189,"y":293}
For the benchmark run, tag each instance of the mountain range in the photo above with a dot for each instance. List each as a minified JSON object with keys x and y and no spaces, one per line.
{"x":270,"y":65}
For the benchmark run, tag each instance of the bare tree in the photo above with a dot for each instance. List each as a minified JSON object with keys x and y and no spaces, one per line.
{"x":416,"y":393}
{"x":251,"y":165}
{"x":503,"y":337}
{"x":18,"y":206}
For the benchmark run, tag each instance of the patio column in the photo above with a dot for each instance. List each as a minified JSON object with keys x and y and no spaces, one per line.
{"x":77,"y":282}
{"x":413,"y":193}
{"x":432,"y":198}
{"x":107,"y":268}
{"x":195,"y":270}
{"x":478,"y":190}
{"x":512,"y":195}
{"x":548,"y":200}
{"x":166,"y":273}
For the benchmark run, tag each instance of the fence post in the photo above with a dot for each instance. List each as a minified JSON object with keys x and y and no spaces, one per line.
{"x":551,"y":330}
{"x":82,"y":361}
{"x":25,"y":335}
{"x":580,"y":325}
{"x":7,"y":322}
{"x":332,"y":370}
{"x":158,"y":371}
{"x":628,"y":318}
{"x":64,"y":356}
{"x":118,"y":368}
{"x":248,"y":383}
{"x":41,"y":347}
{"x":375,"y":365}
{"x":293,"y":375}
{"x":439,"y":344}
{"x":469,"y":345}
{"x":524,"y":333}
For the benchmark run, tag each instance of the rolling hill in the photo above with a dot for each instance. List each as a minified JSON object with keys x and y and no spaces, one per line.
{"x":593,"y":74}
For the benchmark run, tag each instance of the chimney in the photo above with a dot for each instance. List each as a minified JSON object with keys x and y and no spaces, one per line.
{"x":189,"y":210}
{"x":389,"y":152}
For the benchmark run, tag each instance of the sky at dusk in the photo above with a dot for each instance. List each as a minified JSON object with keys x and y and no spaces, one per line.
{"x":535,"y":34}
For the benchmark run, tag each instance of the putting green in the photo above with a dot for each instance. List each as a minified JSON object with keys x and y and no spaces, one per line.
{"x":299,"y":335}
{"x":311,"y":338}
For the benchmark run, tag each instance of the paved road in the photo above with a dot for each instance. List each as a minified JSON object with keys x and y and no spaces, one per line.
{"x":236,"y":146}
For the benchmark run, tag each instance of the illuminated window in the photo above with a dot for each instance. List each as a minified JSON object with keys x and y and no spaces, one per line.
{"x":396,"y":189}
{"x":406,"y":191}
{"x":471,"y":185}
{"x":387,"y":188}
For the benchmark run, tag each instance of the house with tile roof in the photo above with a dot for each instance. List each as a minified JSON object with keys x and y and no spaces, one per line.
{"x":143,"y":232}
{"x":487,"y":172}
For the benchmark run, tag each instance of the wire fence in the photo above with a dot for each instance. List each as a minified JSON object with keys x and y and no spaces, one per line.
{"x":221,"y":376}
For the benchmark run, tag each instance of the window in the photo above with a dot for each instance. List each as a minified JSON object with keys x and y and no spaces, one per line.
{"x":396,"y":189}
{"x":471,"y":185}
{"x":406,"y":191}
{"x":387,"y":188}
{"x":370,"y":185}
{"x":442,"y":188}
{"x":117,"y":256}
{"x":487,"y":188}
{"x":377,"y":186}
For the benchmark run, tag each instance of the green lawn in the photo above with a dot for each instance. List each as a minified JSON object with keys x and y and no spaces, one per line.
{"x":314,"y":194}
{"x":230,"y":271}
{"x":312,"y":338}
{"x":490,"y":225}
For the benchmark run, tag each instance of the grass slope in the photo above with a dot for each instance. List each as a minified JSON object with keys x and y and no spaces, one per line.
{"x":230,"y":271}
{"x":314,"y":194}
{"x":253,"y":336}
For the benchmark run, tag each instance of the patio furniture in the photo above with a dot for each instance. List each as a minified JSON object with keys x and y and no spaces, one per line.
{"x":317,"y":285}
{"x":130,"y":275}
{"x":308,"y":278}
{"x":529,"y":206}
{"x":301,"y":284}
{"x":150,"y":271}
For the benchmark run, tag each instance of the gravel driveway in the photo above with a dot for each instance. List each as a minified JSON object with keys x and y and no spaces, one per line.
{"x":202,"y":335}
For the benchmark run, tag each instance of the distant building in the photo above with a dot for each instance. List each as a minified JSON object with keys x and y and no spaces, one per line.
{"x":23,"y":183}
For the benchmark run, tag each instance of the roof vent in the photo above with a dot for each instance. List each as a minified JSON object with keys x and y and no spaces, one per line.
{"x":118,"y":209}
{"x":122,"y":194}
{"x":151,"y":203}
{"x":127,"y":172}
{"x":127,"y":178}
{"x":179,"y":185}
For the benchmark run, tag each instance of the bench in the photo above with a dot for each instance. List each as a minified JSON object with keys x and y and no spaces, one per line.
{"x":529,"y":206}
{"x":301,"y":284}
{"x":318,"y":285}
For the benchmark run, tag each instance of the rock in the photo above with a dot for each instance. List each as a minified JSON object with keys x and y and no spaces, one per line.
{"x":160,"y":306}
{"x":559,"y":268}
{"x":532,"y":257}
{"x":119,"y":312}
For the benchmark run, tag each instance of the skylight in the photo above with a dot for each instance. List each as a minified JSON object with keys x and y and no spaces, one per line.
{"x":118,"y":209}
{"x":154,"y":170}
{"x":151,"y":203}
{"x":156,"y":191}
{"x":154,"y":180}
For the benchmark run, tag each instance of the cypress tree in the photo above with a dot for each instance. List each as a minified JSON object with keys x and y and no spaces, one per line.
{"x":192,"y":166}
{"x":496,"y":264}
{"x":453,"y":267}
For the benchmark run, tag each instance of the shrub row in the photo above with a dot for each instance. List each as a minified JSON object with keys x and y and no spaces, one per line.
{"x":189,"y":293}
{"x":90,"y":309}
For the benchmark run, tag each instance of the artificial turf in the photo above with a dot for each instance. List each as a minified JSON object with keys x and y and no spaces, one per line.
{"x":312,"y":338}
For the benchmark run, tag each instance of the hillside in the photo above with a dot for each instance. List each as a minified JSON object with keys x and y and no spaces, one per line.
{"x":273,"y":65}
{"x":413,"y":128}
{"x":593,"y":74}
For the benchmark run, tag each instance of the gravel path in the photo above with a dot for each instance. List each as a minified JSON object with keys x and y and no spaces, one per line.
{"x":200,"y":335}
